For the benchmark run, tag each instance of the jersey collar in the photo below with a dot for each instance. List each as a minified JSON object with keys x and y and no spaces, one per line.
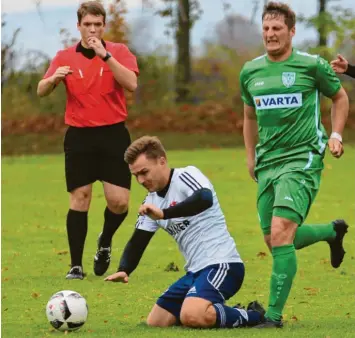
{"x":88,"y":53}
{"x":163,"y":192}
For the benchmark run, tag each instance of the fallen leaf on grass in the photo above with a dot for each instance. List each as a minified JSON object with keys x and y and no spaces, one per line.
{"x":171,"y":267}
{"x":35,"y":295}
{"x":261,"y":254}
{"x":312,"y":291}
{"x":63,"y":252}
{"x":294,"y":318}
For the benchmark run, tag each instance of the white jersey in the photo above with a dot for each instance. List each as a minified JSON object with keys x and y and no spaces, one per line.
{"x":203,"y":239}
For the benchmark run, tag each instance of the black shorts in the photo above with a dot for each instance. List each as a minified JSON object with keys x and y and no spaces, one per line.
{"x":96,"y":153}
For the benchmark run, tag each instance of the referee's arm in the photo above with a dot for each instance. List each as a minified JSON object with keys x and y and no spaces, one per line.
{"x":124,"y":76}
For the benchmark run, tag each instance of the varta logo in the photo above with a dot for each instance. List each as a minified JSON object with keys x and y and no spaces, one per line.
{"x":278,"y":101}
{"x":175,"y":228}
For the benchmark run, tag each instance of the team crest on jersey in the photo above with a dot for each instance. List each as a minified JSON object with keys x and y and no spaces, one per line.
{"x":288,"y":78}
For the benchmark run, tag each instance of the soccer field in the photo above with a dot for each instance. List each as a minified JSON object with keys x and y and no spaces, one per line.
{"x":35,"y":254}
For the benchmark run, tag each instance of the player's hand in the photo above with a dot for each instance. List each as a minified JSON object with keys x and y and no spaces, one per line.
{"x":336,"y":147}
{"x":118,"y":277}
{"x":251,"y":169}
{"x":340,"y":64}
{"x":97,"y":46}
{"x":60,"y":74}
{"x":152,"y":211}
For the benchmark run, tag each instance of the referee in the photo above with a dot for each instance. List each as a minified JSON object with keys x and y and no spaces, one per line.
{"x":95,"y":73}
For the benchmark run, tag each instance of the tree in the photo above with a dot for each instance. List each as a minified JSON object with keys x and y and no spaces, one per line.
{"x":238,"y":33}
{"x":7,"y":54}
{"x":183,"y":14}
{"x":335,"y":25}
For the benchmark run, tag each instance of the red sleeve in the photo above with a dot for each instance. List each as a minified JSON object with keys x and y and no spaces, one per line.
{"x":55,"y":63}
{"x":126,"y":58}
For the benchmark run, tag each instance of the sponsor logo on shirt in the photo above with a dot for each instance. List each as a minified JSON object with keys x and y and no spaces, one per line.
{"x":278,"y":101}
{"x":175,"y":228}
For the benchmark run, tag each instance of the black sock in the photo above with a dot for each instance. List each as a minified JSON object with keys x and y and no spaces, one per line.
{"x":77,"y":228}
{"x":112,"y":223}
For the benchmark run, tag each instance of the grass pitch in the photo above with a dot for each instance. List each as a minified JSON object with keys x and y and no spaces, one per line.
{"x":35,"y":254}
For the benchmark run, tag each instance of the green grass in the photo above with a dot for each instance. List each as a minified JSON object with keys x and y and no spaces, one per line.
{"x":35,"y":257}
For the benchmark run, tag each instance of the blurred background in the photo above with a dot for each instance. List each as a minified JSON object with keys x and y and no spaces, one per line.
{"x":190,"y":53}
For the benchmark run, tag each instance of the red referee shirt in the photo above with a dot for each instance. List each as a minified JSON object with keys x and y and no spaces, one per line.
{"x":94,"y":98}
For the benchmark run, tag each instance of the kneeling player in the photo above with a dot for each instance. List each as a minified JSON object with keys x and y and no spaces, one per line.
{"x":183,"y":202}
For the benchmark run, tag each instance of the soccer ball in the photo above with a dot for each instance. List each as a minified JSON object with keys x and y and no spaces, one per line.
{"x":67,"y":310}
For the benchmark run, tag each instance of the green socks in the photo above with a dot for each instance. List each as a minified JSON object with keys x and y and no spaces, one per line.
{"x":309,"y":234}
{"x":283,"y":271}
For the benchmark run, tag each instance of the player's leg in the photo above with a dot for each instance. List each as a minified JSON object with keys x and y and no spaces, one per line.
{"x":116,"y":177}
{"x":159,"y":317}
{"x":166,"y":312}
{"x":333,"y":232}
{"x":291,"y":203}
{"x":204,"y":304}
{"x":80,"y":173}
{"x":265,"y":202}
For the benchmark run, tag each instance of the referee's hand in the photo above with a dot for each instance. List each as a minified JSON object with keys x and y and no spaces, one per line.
{"x":336,"y":147}
{"x":61,"y":73}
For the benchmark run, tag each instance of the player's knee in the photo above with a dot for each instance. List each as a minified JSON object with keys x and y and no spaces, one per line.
{"x":80,"y":199}
{"x":267,"y":239}
{"x":155,"y":321}
{"x":282,"y":231}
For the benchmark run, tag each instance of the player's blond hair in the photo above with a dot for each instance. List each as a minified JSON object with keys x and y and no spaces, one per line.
{"x":148,"y":145}
{"x":91,"y":7}
{"x":276,"y":9}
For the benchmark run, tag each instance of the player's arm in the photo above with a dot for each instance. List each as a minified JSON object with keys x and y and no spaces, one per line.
{"x":199,"y":201}
{"x":329,"y":84}
{"x":341,"y":65}
{"x":250,"y":126}
{"x":350,"y":71}
{"x":132,"y":255}
{"x":250,"y":133}
{"x":339,"y":115}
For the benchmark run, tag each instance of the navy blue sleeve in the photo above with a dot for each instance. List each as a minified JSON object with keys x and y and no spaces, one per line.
{"x":198,"y":202}
{"x":134,"y":250}
{"x":351,"y":71}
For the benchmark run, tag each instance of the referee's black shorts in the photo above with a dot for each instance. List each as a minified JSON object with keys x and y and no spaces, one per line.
{"x":96,"y":153}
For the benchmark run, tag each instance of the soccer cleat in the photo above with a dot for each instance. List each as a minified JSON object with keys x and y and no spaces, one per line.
{"x":256,"y":306}
{"x":102,"y":258}
{"x":76,"y":272}
{"x":337,"y":251}
{"x":239,"y":306}
{"x":270,"y":324}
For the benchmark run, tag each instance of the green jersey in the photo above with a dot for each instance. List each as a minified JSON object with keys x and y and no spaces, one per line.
{"x":285,"y":96}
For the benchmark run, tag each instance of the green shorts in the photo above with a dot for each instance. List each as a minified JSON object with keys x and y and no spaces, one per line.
{"x":288,"y":189}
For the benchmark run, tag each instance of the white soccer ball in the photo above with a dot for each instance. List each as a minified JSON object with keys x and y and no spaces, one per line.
{"x":67,"y":310}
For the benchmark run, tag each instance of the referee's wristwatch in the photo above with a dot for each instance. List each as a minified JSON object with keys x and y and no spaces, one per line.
{"x":107,"y":56}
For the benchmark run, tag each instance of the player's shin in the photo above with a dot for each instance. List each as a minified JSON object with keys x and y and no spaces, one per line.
{"x":283,"y":271}
{"x":229,"y":317}
{"x":309,"y":234}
